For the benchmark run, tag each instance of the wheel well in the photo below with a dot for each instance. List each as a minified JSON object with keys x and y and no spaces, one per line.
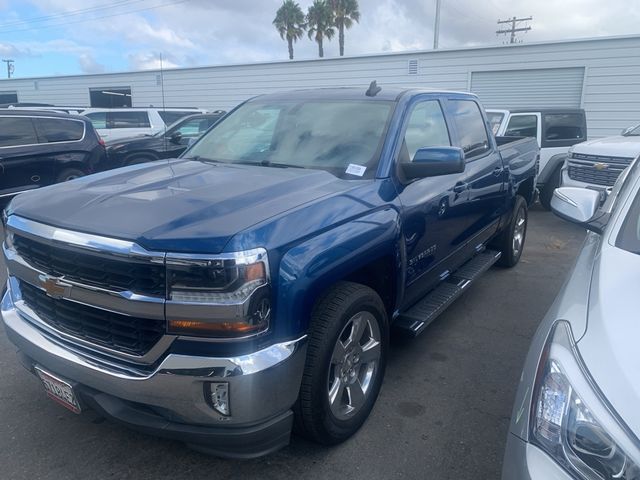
{"x":526,"y":190}
{"x":75,"y":165}
{"x":380,"y":276}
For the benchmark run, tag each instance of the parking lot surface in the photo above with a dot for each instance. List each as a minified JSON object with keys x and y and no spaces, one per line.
{"x":443,"y":412}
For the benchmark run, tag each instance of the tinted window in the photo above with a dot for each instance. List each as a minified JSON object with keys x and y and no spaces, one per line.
{"x":58,"y":130}
{"x":426,"y":128}
{"x":341,"y":137}
{"x":629,"y":236}
{"x":471,"y":128}
{"x":128,"y":120}
{"x":17,"y":131}
{"x":495,"y":119}
{"x":170,"y":117}
{"x":563,"y":126}
{"x":98,"y":119}
{"x":522,"y":126}
{"x":193,"y":128}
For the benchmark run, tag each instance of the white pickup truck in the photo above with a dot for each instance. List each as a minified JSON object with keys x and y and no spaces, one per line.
{"x":555,"y":129}
{"x":598,"y":163}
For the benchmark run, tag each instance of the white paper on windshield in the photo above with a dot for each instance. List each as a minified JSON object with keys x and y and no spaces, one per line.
{"x":354,"y":169}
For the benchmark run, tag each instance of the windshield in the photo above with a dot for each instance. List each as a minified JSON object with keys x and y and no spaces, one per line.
{"x":495,"y":119}
{"x":342,"y":137}
{"x":633,"y":133}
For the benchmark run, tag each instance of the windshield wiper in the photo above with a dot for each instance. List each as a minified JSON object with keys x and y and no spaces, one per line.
{"x":199,"y":158}
{"x":268,"y":163}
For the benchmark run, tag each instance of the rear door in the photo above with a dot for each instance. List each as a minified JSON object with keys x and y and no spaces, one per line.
{"x":20,"y":168}
{"x":432,"y":206}
{"x":483,"y":181}
{"x":123,"y":124}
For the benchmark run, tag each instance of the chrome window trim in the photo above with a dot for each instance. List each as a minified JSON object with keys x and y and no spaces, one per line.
{"x":84,"y":130}
{"x":29,"y":315}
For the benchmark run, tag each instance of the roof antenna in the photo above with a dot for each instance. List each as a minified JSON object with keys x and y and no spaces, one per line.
{"x":373,"y":89}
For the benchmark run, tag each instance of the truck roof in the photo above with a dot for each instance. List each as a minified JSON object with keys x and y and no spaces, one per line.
{"x":537,"y":110}
{"x":354,"y":93}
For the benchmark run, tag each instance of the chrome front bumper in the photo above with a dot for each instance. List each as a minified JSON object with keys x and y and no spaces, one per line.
{"x":262,"y":385}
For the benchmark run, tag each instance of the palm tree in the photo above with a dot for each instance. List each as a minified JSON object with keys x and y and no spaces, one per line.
{"x":290,"y":24}
{"x":345,"y":13}
{"x":320,"y":23}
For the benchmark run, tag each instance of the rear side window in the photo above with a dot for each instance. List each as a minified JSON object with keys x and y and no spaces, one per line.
{"x":564,"y":126}
{"x":172,"y":116}
{"x":522,"y":126}
{"x":52,"y":130}
{"x":426,"y":128}
{"x":472,"y":132}
{"x":128,"y":120}
{"x":98,"y":119}
{"x":16,"y":131}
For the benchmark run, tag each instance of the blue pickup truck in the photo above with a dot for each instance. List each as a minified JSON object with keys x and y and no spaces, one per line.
{"x":249,"y":287}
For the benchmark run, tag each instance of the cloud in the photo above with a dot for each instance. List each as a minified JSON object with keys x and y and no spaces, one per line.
{"x":88,"y":64}
{"x":204,"y":32}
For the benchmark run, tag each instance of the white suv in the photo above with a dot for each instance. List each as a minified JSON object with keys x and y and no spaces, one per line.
{"x":117,"y":123}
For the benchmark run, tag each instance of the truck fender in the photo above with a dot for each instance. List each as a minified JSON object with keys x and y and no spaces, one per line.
{"x":310,"y":268}
{"x":553,"y":163}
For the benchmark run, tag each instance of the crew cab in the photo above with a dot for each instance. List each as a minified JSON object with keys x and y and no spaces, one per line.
{"x":598,"y":163}
{"x":555,"y":129}
{"x":252,"y":283}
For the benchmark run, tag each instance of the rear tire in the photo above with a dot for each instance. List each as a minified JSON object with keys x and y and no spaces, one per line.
{"x":546,"y":193}
{"x":69,"y":174}
{"x":345,"y":365}
{"x":511,"y":241}
{"x":137,"y":159}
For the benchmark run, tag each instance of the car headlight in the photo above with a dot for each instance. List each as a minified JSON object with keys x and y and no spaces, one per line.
{"x":224,"y":295}
{"x":572,"y":421}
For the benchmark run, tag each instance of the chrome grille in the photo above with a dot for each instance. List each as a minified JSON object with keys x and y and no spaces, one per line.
{"x":91,"y":269}
{"x":582,"y":168}
{"x":122,"y":333}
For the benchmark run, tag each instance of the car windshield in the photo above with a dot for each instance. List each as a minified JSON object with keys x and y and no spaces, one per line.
{"x":629,"y":236}
{"x":634,"y":132}
{"x":341,"y":137}
{"x":495,"y":119}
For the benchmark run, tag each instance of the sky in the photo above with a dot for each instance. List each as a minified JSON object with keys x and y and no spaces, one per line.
{"x":64,"y":37}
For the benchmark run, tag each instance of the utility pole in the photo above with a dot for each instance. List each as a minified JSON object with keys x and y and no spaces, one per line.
{"x":514,"y":21}
{"x":436,"y":26}
{"x":10,"y":67}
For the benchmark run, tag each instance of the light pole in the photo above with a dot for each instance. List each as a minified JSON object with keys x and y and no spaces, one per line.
{"x":10,"y":66}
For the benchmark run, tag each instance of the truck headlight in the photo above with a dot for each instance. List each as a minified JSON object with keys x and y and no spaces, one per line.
{"x":571,"y":420}
{"x":225,"y":295}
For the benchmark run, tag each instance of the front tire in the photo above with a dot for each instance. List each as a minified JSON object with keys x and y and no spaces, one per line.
{"x":346,"y":360}
{"x":511,"y":241}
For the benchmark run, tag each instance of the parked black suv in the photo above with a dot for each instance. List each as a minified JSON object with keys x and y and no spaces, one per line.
{"x":39,"y":148}
{"x":165,"y":144}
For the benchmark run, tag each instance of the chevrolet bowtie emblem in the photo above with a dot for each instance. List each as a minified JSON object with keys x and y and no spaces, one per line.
{"x":601,"y":166}
{"x":54,"y":287}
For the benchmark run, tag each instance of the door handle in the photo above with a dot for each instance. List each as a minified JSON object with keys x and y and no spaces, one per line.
{"x":460,"y":187}
{"x":498,"y":171}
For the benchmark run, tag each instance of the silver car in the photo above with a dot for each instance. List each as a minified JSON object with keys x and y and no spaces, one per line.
{"x":577,"y":410}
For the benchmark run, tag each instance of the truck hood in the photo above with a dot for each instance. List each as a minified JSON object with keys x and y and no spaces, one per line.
{"x":617,"y":146}
{"x":609,"y":347}
{"x":176,"y":205}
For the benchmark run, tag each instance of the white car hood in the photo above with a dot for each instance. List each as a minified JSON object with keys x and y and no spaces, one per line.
{"x":617,"y":146}
{"x":610,"y":347}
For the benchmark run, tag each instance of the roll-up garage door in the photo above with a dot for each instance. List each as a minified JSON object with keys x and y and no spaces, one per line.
{"x":552,"y":87}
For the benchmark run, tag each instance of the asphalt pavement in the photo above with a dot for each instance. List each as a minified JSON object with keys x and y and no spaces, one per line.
{"x":443,"y":412}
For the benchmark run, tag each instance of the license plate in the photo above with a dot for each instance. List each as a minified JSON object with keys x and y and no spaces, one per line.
{"x":59,"y":390}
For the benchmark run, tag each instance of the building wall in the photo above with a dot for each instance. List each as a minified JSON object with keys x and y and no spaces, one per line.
{"x":610,"y":90}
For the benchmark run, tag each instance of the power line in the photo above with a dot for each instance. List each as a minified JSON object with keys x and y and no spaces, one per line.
{"x":513,"y":30}
{"x":70,"y":13}
{"x":96,"y":18}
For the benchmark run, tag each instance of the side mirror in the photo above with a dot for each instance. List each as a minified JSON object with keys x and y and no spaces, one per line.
{"x":176,"y":137}
{"x":578,"y":205}
{"x":434,"y":161}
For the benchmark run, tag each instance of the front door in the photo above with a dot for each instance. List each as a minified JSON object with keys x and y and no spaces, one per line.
{"x":432,"y":207}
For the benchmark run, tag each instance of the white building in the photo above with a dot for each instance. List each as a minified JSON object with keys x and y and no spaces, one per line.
{"x":601,"y":75}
